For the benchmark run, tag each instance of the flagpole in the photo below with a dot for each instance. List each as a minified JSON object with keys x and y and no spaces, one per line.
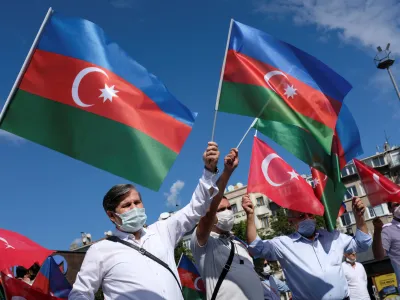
{"x":220,"y":80}
{"x":25,"y":64}
{"x":180,"y":259}
{"x":247,"y":132}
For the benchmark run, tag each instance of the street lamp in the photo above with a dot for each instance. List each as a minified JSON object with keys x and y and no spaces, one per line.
{"x":384,"y":61}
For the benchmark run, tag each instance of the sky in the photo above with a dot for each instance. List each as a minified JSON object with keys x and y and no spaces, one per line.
{"x":52,"y":198}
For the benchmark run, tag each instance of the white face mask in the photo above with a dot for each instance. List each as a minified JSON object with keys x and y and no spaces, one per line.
{"x":267,"y":270}
{"x":396,"y":212}
{"x":225,"y":220}
{"x":349,"y":260}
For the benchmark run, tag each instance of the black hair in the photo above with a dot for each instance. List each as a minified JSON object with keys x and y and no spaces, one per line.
{"x":21,"y":272}
{"x":116,"y":194}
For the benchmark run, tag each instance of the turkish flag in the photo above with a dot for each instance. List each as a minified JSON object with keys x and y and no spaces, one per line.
{"x":379,"y":189}
{"x":272,"y":176}
{"x":18,"y":250}
{"x":19,"y":289}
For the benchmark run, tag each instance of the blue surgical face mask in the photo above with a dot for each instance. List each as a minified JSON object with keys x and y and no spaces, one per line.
{"x":307,"y":227}
{"x":132,"y":220}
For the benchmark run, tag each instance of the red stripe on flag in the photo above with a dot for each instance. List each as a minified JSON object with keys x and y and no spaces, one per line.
{"x":307,"y":101}
{"x":51,"y":76}
{"x":188,"y":279}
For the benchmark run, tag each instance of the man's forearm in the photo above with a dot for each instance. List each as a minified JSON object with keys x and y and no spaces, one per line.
{"x":207,"y":222}
{"x":377,"y":249}
{"x":361,"y":225}
{"x":251,"y":230}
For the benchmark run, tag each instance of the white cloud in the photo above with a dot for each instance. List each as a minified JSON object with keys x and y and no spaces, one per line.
{"x":367,"y":22}
{"x":122,"y":3}
{"x":173,"y":195}
{"x":10,"y":137}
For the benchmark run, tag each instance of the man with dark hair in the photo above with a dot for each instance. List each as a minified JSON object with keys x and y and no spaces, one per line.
{"x":126,"y":273}
{"x":387,"y":239}
{"x":22,"y":274}
{"x":311,"y":258}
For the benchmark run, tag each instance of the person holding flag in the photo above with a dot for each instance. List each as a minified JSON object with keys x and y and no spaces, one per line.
{"x":311,"y":258}
{"x":147,"y":271}
{"x":387,"y":239}
{"x":223,"y":262}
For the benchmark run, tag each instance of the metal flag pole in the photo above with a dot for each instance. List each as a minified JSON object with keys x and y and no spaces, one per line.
{"x":394,"y":82}
{"x":220,"y":81}
{"x":247,"y":132}
{"x":25,"y":64}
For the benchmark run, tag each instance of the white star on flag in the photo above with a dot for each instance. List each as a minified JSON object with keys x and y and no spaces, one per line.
{"x":108,"y":93}
{"x":293,"y":174}
{"x":290,"y":91}
{"x":316,"y":182}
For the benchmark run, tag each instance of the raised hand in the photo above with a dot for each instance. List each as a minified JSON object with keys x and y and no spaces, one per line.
{"x":247,"y":205}
{"x":358,"y":207}
{"x":211,"y":156}
{"x":231,"y":161}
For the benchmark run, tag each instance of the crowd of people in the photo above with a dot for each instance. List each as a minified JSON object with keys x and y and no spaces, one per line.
{"x":137,"y":262}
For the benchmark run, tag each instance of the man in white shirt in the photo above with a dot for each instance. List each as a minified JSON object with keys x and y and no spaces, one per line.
{"x":213,"y":243}
{"x":125,"y":273}
{"x":356,"y":277}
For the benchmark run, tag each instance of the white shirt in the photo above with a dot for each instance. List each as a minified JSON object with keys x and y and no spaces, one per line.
{"x":125,"y":274}
{"x":241,"y":282}
{"x":357,"y":280}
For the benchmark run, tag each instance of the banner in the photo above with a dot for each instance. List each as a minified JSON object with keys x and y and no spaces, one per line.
{"x":386,"y":286}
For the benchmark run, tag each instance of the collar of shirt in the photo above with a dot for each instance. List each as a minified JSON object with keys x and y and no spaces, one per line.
{"x":144,"y":235}
{"x":395,"y":222}
{"x":297,"y":236}
{"x":225,"y":236}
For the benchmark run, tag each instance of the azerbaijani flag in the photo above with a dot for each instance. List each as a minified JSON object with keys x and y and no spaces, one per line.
{"x":83,"y":96}
{"x":51,"y":281}
{"x":193,"y":287}
{"x":305,"y":147}
{"x":273,"y":80}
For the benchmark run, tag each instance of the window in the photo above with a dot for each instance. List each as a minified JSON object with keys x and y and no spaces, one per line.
{"x":264,"y":222}
{"x":378,"y":161}
{"x":348,"y":170}
{"x":348,"y":219}
{"x":273,"y":207}
{"x":395,"y":156}
{"x":351,"y":190}
{"x":234,"y":208}
{"x":260,"y":201}
{"x":377,"y":211}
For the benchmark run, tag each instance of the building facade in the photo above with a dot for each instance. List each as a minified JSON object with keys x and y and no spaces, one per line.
{"x":264,"y":208}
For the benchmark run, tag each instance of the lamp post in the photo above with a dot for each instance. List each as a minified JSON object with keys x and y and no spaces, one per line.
{"x":384,"y":61}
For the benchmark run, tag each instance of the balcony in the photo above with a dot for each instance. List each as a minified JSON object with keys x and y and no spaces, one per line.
{"x":395,"y":159}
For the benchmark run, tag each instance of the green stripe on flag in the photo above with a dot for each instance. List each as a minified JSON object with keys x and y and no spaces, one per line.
{"x":257,"y":101}
{"x":299,"y":142}
{"x":189,"y":294}
{"x":98,"y":141}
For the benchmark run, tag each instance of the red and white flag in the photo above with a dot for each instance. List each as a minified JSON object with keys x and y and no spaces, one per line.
{"x":271,"y":176}
{"x":18,"y":250}
{"x":379,"y":189}
{"x":19,"y":290}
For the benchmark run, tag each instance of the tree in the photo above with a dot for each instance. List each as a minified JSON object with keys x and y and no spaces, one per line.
{"x":182,"y":249}
{"x":239,"y":230}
